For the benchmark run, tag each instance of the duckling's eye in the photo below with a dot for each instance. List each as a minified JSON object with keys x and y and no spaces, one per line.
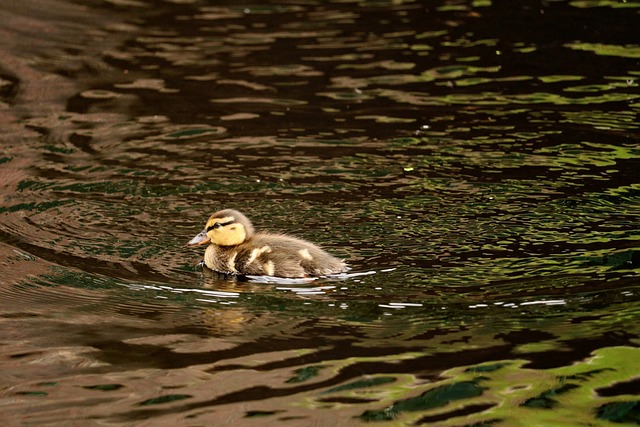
{"x":218,"y":225}
{"x":214,"y":226}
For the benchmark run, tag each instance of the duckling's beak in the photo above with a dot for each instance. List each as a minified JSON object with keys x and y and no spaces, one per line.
{"x":200,"y":239}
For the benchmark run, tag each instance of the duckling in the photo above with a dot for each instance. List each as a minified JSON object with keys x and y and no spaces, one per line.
{"x":235,"y":248}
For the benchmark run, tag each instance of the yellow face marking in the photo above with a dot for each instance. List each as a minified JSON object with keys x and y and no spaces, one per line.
{"x":304,"y":254}
{"x":269,"y":268}
{"x":257,"y":252}
{"x":231,"y":263}
{"x":225,"y":231}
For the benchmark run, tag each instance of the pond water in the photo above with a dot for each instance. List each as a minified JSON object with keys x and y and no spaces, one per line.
{"x":476,"y":163}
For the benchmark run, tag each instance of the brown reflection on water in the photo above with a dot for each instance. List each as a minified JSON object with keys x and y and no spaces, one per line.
{"x":156,"y":360}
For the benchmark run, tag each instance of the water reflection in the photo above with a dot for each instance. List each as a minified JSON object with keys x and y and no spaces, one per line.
{"x":479,"y":176}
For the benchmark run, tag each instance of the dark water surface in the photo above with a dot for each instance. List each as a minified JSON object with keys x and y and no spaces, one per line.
{"x":477,"y":162}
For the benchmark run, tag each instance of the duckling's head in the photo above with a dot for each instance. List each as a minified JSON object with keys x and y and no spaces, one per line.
{"x":224,"y":228}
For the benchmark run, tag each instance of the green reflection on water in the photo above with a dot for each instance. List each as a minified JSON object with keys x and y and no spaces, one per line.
{"x":165,"y":399}
{"x":258,"y":414}
{"x":518,"y":395}
{"x":364,"y":383}
{"x":35,"y":207}
{"x":139,"y":188}
{"x":621,"y":412}
{"x":600,"y":119}
{"x":104,"y":387}
{"x":192,"y":133}
{"x":59,"y":150}
{"x":545,"y":399}
{"x":499,"y":98}
{"x":304,"y":374}
{"x":615,"y":4}
{"x":632,"y":51}
{"x":559,"y":78}
{"x":434,"y":398}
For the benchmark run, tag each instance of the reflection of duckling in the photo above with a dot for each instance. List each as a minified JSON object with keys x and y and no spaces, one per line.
{"x":235,"y":249}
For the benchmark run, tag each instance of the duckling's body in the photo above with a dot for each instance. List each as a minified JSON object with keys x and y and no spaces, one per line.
{"x":236,"y":249}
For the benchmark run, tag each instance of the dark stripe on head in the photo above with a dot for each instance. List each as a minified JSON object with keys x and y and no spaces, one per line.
{"x":219,"y":224}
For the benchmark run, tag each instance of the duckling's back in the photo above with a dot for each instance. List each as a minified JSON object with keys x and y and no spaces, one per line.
{"x":286,"y":256}
{"x":273,"y":255}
